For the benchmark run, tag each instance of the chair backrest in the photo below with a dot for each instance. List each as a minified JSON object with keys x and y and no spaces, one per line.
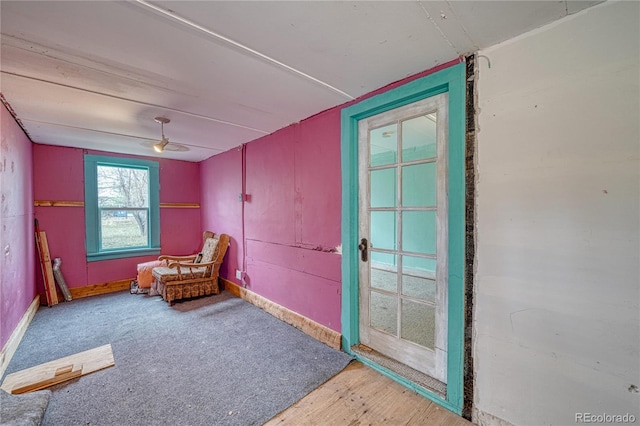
{"x":214,"y":248}
{"x":221,"y":249}
{"x":209,"y":248}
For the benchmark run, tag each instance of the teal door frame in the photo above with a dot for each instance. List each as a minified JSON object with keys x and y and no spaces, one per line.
{"x":451,"y":80}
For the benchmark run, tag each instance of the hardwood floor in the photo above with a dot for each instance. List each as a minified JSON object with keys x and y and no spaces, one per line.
{"x":360,"y":395}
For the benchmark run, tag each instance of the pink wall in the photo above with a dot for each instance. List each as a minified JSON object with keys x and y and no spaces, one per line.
{"x":59,"y":175}
{"x":221,"y":182}
{"x":17,"y":285}
{"x":292,"y":216}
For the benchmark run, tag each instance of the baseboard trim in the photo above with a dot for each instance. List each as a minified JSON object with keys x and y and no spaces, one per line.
{"x":11,"y":346}
{"x":93,"y":290}
{"x":316,"y":330}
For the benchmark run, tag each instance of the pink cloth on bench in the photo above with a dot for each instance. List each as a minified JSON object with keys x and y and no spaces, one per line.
{"x":145,"y":276}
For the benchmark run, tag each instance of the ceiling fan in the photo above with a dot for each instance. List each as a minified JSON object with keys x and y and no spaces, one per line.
{"x":159,"y":147}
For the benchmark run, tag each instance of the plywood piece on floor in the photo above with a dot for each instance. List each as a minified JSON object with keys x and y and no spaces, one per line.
{"x":62,"y":374}
{"x":67,"y":368}
{"x":361,"y":395}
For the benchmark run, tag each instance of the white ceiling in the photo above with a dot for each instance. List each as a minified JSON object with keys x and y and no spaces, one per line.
{"x":94,"y":74}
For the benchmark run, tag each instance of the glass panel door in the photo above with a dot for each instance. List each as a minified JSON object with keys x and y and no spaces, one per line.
{"x":403,"y":214}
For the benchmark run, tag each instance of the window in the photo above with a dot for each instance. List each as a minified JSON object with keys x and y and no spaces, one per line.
{"x":121,"y":207}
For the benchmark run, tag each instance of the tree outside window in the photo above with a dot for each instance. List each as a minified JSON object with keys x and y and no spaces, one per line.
{"x":123,"y":202}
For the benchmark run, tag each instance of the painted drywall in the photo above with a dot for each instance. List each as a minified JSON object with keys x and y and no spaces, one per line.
{"x":291,"y":219}
{"x":221,"y":185}
{"x":59,"y":175}
{"x":17,"y":267}
{"x":556,"y":321}
{"x":286,"y":237}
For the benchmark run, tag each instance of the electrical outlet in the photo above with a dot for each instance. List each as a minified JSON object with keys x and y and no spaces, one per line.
{"x":238,"y":274}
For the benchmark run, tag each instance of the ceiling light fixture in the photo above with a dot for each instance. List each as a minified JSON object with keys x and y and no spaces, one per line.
{"x":159,"y":147}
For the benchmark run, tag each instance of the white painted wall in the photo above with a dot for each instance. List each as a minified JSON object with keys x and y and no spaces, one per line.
{"x":557,"y":323}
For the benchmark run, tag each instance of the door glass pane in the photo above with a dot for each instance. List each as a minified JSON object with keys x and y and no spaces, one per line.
{"x":384,"y":280}
{"x":419,"y":138}
{"x":383,"y":144}
{"x":419,"y":266}
{"x":383,"y":230}
{"x":419,"y":231}
{"x":419,"y":288}
{"x":384,"y":261}
{"x":418,"y":323}
{"x":419,"y":185}
{"x":383,"y":258}
{"x":383,"y":312}
{"x":383,"y":187}
{"x":123,"y":229}
{"x":418,"y":278}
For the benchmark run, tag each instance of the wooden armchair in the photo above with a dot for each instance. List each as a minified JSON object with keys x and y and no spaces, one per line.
{"x":192,"y":276}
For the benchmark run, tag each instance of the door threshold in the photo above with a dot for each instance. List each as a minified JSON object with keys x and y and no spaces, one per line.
{"x":423,"y":380}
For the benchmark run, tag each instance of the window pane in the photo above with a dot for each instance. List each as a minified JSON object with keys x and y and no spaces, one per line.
{"x":419,"y":138}
{"x":383,"y":230}
{"x":384,"y":313}
{"x":122,"y":186}
{"x":419,"y":266}
{"x":418,"y":323}
{"x":419,"y":231}
{"x":382,"y":258}
{"x":419,"y":277}
{"x":384,"y":280}
{"x":123,"y":229}
{"x":384,"y":261}
{"x":384,"y":145}
{"x":419,"y":185}
{"x":383,"y":188}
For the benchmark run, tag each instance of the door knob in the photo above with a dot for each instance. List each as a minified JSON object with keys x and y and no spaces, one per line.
{"x":364,"y":249}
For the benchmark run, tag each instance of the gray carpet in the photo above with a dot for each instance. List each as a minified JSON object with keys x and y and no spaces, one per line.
{"x":210,"y":361}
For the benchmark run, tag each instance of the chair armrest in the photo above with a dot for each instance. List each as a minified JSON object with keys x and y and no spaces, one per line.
{"x":189,"y":264}
{"x":177,"y":258}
